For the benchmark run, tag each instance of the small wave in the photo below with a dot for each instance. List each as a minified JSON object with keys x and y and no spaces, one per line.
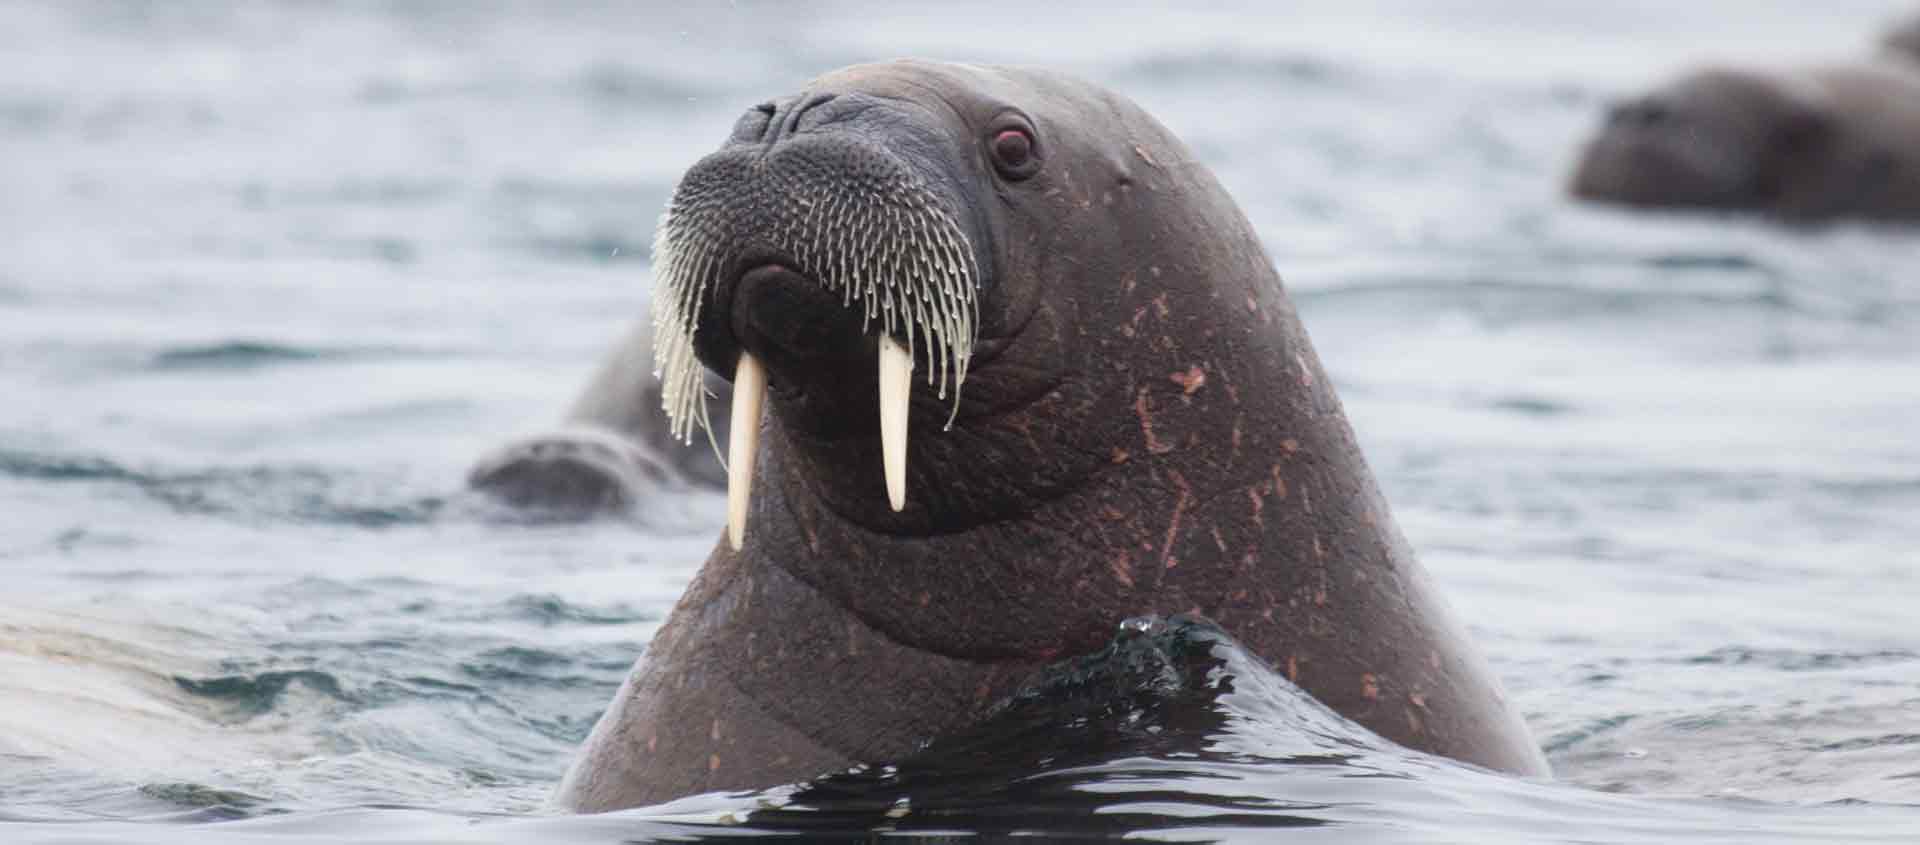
{"x":527,"y":658}
{"x":1787,"y":660}
{"x":1568,"y":739}
{"x":294,"y":493}
{"x":233,"y":354}
{"x":550,"y":610}
{"x":24,"y":116}
{"x":1723,"y":262}
{"x":389,"y":249}
{"x":1545,"y":299}
{"x":1866,"y":742}
{"x":615,"y":84}
{"x":1195,"y":67}
{"x":398,"y":192}
{"x":387,"y":91}
{"x":589,"y":247}
{"x":519,"y":666}
{"x":420,"y":687}
{"x":247,"y":696}
{"x":242,"y":354}
{"x":44,"y":467}
{"x":200,"y":796}
{"x":1533,"y":406}
{"x":520,"y":189}
{"x":605,"y":83}
{"x":116,"y":576}
{"x":297,"y":494}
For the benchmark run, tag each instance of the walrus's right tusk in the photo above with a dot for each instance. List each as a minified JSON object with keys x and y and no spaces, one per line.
{"x":743,"y":441}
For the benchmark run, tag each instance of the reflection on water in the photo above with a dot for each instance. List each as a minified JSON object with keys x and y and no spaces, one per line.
{"x":278,"y":272}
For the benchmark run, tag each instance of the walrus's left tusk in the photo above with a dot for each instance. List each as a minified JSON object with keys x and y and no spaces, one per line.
{"x":749,"y":397}
{"x":896,"y":383}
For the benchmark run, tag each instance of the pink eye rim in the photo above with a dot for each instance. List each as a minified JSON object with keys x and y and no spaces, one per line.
{"x":1014,"y":152}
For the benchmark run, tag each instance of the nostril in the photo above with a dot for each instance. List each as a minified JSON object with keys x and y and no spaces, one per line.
{"x":794,"y":122}
{"x":1641,"y":113}
{"x":754,"y":124}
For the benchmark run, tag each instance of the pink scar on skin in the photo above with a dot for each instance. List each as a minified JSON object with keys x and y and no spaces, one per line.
{"x":1144,"y":410}
{"x":1192,"y":379}
{"x":1173,"y":528}
{"x":1122,"y":565}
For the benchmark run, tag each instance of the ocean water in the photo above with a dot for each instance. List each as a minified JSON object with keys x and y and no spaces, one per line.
{"x":276,"y":273}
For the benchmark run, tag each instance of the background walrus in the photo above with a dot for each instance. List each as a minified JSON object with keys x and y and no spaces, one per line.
{"x":1840,"y":140}
{"x":611,"y":448}
{"x":1901,"y":41}
{"x":1138,"y":424}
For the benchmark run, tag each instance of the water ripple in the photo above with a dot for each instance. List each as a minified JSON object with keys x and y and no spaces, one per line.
{"x":247,"y":696}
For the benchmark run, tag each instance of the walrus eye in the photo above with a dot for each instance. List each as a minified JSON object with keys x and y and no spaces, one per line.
{"x":1013,"y":154}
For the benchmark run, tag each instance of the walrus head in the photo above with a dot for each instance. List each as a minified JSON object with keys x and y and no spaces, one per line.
{"x":895,"y":221}
{"x":1902,"y":41}
{"x":1714,"y":138}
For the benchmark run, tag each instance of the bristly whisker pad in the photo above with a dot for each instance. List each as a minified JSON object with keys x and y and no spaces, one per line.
{"x":881,"y":239}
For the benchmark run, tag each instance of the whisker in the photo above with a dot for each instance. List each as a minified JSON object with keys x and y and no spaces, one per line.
{"x":885,"y":245}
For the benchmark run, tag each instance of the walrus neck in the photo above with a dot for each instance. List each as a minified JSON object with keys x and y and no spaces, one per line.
{"x":1178,"y":498}
{"x":1006,"y":455}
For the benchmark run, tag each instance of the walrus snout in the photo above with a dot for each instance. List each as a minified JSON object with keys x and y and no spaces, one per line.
{"x":1643,"y":113}
{"x":829,"y":225}
{"x":1655,"y":151}
{"x":814,"y":347}
{"x":1902,"y":42}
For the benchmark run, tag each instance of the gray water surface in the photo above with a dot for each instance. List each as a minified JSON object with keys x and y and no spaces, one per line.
{"x":277,"y":272}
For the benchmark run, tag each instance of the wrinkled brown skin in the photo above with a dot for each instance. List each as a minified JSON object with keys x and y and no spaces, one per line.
{"x":612,"y":448}
{"x":1810,"y":145}
{"x":1149,"y":432}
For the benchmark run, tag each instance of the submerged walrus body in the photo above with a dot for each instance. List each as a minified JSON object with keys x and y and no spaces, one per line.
{"x":1818,"y":144}
{"x":611,"y":450}
{"x":1138,"y":425}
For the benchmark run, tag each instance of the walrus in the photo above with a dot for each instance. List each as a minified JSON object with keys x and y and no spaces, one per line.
{"x":1009,"y":367}
{"x":1830,"y":142}
{"x":612,"y":448}
{"x":1901,"y":42}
